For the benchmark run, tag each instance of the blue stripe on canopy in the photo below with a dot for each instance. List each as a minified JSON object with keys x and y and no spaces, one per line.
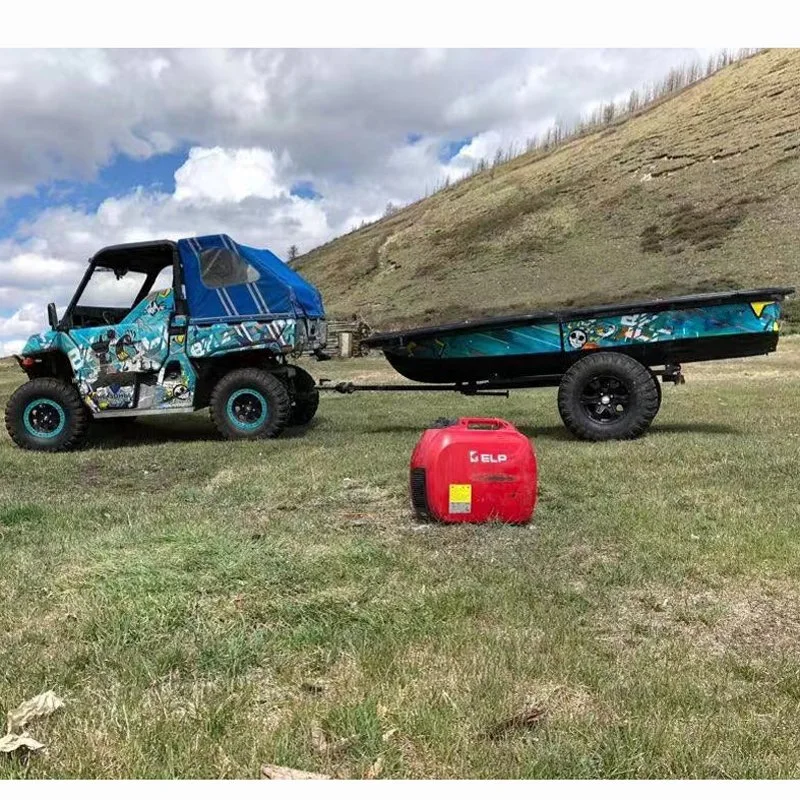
{"x":279,"y":290}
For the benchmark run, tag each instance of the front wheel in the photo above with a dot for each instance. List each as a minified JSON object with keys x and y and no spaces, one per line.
{"x":250,"y":404}
{"x":608,"y":396}
{"x":47,"y":414}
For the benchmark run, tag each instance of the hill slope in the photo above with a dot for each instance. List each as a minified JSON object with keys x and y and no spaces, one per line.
{"x":699,"y":192}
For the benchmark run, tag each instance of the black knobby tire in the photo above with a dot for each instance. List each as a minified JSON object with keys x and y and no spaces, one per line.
{"x":306,"y":398}
{"x":47,"y":414}
{"x":250,"y":404}
{"x":608,"y":396}
{"x":657,"y":382}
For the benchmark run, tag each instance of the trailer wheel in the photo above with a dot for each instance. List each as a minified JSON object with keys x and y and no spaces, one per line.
{"x":657,"y":382}
{"x":608,"y":396}
{"x":250,"y":404}
{"x":306,"y":398}
{"x":47,"y":414}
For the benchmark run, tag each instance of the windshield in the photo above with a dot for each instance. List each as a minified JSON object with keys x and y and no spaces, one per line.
{"x":110,"y":295}
{"x":106,"y":290}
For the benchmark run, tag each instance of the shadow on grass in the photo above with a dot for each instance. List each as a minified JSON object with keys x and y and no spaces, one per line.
{"x":560,"y":433}
{"x":532,"y":432}
{"x":154,"y":430}
{"x":694,"y":427}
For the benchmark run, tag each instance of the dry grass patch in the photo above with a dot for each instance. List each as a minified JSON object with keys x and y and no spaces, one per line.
{"x":756,"y":619}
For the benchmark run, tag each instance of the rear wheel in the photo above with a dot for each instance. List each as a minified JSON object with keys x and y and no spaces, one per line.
{"x":608,"y":396}
{"x":306,"y":398}
{"x":47,"y":414}
{"x":657,"y":382}
{"x":250,"y":404}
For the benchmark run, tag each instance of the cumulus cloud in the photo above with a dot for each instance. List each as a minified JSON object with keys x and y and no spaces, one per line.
{"x":228,"y":176}
{"x":363,"y":127}
{"x":336,"y":112}
{"x":19,"y":326}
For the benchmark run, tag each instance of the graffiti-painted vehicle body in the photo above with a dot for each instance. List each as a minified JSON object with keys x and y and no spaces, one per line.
{"x":204,"y":309}
{"x":606,"y":360}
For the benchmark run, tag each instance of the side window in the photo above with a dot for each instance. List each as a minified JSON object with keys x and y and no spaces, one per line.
{"x":163,"y":280}
{"x":220,"y":267}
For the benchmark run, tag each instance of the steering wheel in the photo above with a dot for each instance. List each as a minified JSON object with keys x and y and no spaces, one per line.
{"x":108,"y":318}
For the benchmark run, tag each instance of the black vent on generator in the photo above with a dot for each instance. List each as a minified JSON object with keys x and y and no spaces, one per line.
{"x":419,"y":493}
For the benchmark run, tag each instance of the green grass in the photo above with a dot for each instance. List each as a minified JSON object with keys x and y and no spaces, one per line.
{"x":205,"y":607}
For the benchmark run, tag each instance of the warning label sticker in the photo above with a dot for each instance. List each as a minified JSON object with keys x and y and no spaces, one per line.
{"x":460,"y":498}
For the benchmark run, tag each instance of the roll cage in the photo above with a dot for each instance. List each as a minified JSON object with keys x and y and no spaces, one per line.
{"x":147,"y":258}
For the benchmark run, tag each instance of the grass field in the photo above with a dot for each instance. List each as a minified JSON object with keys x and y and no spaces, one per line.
{"x":205,"y":607}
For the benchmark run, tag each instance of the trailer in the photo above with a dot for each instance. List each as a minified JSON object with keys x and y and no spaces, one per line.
{"x":605,"y":360}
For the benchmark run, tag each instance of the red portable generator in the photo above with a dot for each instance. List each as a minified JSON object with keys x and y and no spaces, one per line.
{"x":473,"y":470}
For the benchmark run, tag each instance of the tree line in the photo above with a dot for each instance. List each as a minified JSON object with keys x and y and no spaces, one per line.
{"x":605,"y":114}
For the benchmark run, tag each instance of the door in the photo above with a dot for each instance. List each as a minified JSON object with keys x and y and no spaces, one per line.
{"x":115,"y":358}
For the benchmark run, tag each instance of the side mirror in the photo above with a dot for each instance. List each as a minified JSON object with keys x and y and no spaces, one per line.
{"x":52,"y":316}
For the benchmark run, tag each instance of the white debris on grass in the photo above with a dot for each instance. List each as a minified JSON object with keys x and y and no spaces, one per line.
{"x":43,"y":705}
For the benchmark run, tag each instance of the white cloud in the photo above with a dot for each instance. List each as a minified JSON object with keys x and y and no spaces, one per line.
{"x":26,"y":320}
{"x":11,"y":347}
{"x":19,"y":326}
{"x":259,"y":121}
{"x":337,"y":112}
{"x":223,"y":175}
{"x":29,"y":268}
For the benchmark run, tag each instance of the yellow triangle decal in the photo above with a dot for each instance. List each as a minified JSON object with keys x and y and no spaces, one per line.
{"x":759,"y":307}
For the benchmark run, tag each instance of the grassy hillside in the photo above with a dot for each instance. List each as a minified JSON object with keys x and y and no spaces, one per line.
{"x":700,"y":192}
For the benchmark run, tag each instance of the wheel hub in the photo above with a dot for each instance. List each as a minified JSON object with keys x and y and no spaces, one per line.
{"x":605,"y":399}
{"x":247,"y":409}
{"x":44,"y":418}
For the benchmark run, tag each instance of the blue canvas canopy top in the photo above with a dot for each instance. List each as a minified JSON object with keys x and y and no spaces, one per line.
{"x":226,"y":280}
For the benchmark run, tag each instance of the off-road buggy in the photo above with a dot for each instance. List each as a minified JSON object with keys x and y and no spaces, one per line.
{"x":206,"y":323}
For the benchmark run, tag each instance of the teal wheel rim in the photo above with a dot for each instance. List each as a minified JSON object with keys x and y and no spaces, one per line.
{"x":44,"y":418}
{"x":247,"y":409}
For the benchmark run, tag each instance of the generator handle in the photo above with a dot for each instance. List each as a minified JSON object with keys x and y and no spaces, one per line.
{"x":484,"y":422}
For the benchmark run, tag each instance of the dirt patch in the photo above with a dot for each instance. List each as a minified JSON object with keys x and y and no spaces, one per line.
{"x":93,"y":475}
{"x":363,"y":503}
{"x":757,"y":620}
{"x":563,"y":703}
{"x":650,"y":240}
{"x":703,"y":228}
{"x":224,"y":477}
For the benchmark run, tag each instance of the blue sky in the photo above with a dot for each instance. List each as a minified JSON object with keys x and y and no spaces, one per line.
{"x":306,"y":190}
{"x":121,"y":176}
{"x":450,"y":149}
